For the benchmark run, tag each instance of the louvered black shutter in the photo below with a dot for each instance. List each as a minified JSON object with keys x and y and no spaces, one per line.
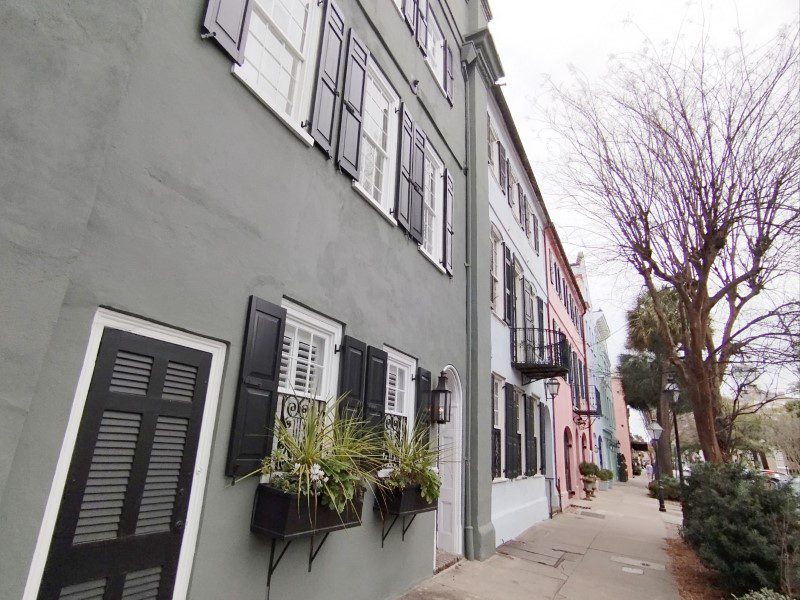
{"x":410,"y":13}
{"x":502,"y":165}
{"x":530,"y":438}
{"x":422,"y":26}
{"x":423,"y":407}
{"x":525,"y":212}
{"x":509,"y":188}
{"x":403,"y":207}
{"x":542,"y":442}
{"x":447,"y":224}
{"x":508,"y":282}
{"x":449,"y":76}
{"x":329,"y":76}
{"x":521,"y":207}
{"x":375,"y":387}
{"x":355,"y":82}
{"x":540,"y":312}
{"x":512,"y":436}
{"x":257,"y":396}
{"x":417,"y":184}
{"x":351,"y":376}
{"x":227,"y":22}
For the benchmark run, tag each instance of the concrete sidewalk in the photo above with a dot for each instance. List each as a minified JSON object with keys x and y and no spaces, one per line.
{"x":611,"y":547}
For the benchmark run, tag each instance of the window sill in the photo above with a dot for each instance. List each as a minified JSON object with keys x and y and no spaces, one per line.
{"x":295,"y":128}
{"x":435,"y":77}
{"x":432,"y":260}
{"x":364,"y":194}
{"x":500,"y":480}
{"x":499,"y":318}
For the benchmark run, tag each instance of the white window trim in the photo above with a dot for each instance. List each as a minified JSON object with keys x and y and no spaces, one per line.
{"x":432,"y":260}
{"x":501,"y":415}
{"x":410,"y":364}
{"x":440,"y":77}
{"x":304,"y":99}
{"x":390,"y":170}
{"x":438,"y":208}
{"x":103,"y":319}
{"x":492,"y":141}
{"x":365,"y":194}
{"x":496,"y":240}
{"x":326,"y":327}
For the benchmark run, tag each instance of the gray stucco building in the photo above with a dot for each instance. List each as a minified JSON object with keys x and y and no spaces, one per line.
{"x":161,"y":165}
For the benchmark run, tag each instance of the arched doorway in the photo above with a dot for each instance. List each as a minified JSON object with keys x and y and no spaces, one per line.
{"x":449,"y":517}
{"x":568,"y":459}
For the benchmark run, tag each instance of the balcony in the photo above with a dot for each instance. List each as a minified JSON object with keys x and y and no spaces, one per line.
{"x":539,"y":353}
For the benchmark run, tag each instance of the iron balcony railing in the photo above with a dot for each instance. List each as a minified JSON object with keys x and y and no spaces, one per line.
{"x":539,"y":353}
{"x":497,"y":465}
{"x":396,"y":427}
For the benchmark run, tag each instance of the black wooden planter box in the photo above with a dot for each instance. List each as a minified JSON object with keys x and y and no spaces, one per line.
{"x":280,"y":515}
{"x":404,"y":502}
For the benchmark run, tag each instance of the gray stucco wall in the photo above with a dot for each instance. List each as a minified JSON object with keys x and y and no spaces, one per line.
{"x":137,"y":173}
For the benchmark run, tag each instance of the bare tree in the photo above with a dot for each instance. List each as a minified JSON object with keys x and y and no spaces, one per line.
{"x":696,"y":160}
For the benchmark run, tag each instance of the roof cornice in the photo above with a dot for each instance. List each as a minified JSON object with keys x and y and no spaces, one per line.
{"x":488,"y":59}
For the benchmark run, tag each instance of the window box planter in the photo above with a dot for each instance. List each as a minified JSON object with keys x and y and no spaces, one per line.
{"x":281,"y":515}
{"x":408,"y":501}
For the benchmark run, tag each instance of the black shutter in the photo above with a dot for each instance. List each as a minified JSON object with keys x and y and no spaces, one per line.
{"x":512,"y":436}
{"x":355,"y":82}
{"x":530,"y":438}
{"x":329,"y":76}
{"x":508,"y":282}
{"x":410,"y":13}
{"x":423,"y":407}
{"x":403,"y":207}
{"x":447,"y":224}
{"x":227,"y":21}
{"x":502,"y":166}
{"x":351,"y":376}
{"x":540,"y":311}
{"x":535,"y":232}
{"x":542,"y":438}
{"x":417,"y":184}
{"x":509,"y":188}
{"x":422,"y":26}
{"x":256,"y":398}
{"x":525,"y":212}
{"x":375,"y":387}
{"x":521,"y":207}
{"x":449,"y":77}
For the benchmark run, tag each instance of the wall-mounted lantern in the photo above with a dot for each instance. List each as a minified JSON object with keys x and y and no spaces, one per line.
{"x":440,"y":401}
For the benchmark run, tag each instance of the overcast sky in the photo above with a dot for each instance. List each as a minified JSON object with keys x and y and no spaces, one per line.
{"x":541,"y":40}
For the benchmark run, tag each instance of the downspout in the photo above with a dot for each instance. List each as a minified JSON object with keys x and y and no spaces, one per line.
{"x":469,"y":542}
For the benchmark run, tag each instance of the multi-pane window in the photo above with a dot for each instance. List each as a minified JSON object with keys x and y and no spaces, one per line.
{"x":399,"y":393}
{"x":432,"y":205}
{"x":495,"y":269}
{"x":491,"y":149}
{"x":309,"y":365}
{"x":435,"y":48}
{"x":497,"y":389}
{"x":279,"y":55}
{"x":514,"y":196}
{"x":379,"y":140}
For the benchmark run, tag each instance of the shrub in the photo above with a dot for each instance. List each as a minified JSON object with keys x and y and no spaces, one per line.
{"x":762,"y":594}
{"x":605,"y":475}
{"x":672,"y":488}
{"x":588,"y":469}
{"x":743,"y":527}
{"x":622,"y":467}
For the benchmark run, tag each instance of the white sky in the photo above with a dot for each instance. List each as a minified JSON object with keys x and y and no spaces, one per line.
{"x":541,"y":40}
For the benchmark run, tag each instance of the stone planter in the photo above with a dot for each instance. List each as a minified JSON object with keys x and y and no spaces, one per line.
{"x":603,"y":485}
{"x":280,"y":515}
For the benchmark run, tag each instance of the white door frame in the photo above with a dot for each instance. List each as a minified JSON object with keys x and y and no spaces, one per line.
{"x":103,"y":319}
{"x":456,"y":422}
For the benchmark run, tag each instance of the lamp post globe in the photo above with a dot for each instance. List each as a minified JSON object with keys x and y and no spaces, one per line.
{"x":552,"y":386}
{"x":655,"y":432}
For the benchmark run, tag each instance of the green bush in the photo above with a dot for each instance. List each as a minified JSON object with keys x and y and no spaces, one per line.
{"x":588,"y":469}
{"x":622,"y":467}
{"x":672,"y":488}
{"x":605,"y":475}
{"x":743,"y":527}
{"x":762,"y":594}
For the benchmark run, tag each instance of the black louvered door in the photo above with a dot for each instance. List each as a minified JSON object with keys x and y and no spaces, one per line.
{"x":120,"y":525}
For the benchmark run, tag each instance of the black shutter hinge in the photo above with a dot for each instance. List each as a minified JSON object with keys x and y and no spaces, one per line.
{"x":208,"y":34}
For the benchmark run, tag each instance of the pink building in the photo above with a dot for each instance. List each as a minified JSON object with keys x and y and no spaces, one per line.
{"x":572,"y":423}
{"x":621,"y":419}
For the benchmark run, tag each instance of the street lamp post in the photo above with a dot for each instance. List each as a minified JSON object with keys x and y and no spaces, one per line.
{"x":674,"y":391}
{"x":655,"y":432}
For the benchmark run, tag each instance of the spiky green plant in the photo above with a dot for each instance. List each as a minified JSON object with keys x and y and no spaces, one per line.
{"x":412,"y":462}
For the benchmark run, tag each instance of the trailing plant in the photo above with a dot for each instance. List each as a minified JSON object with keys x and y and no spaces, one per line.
{"x":412,"y":462}
{"x":330,"y":460}
{"x":588,"y":470}
{"x":743,"y":527}
{"x":762,"y":594}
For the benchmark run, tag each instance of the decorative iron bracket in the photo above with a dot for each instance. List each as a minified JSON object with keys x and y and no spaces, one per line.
{"x":405,"y":527}
{"x":274,"y":562}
